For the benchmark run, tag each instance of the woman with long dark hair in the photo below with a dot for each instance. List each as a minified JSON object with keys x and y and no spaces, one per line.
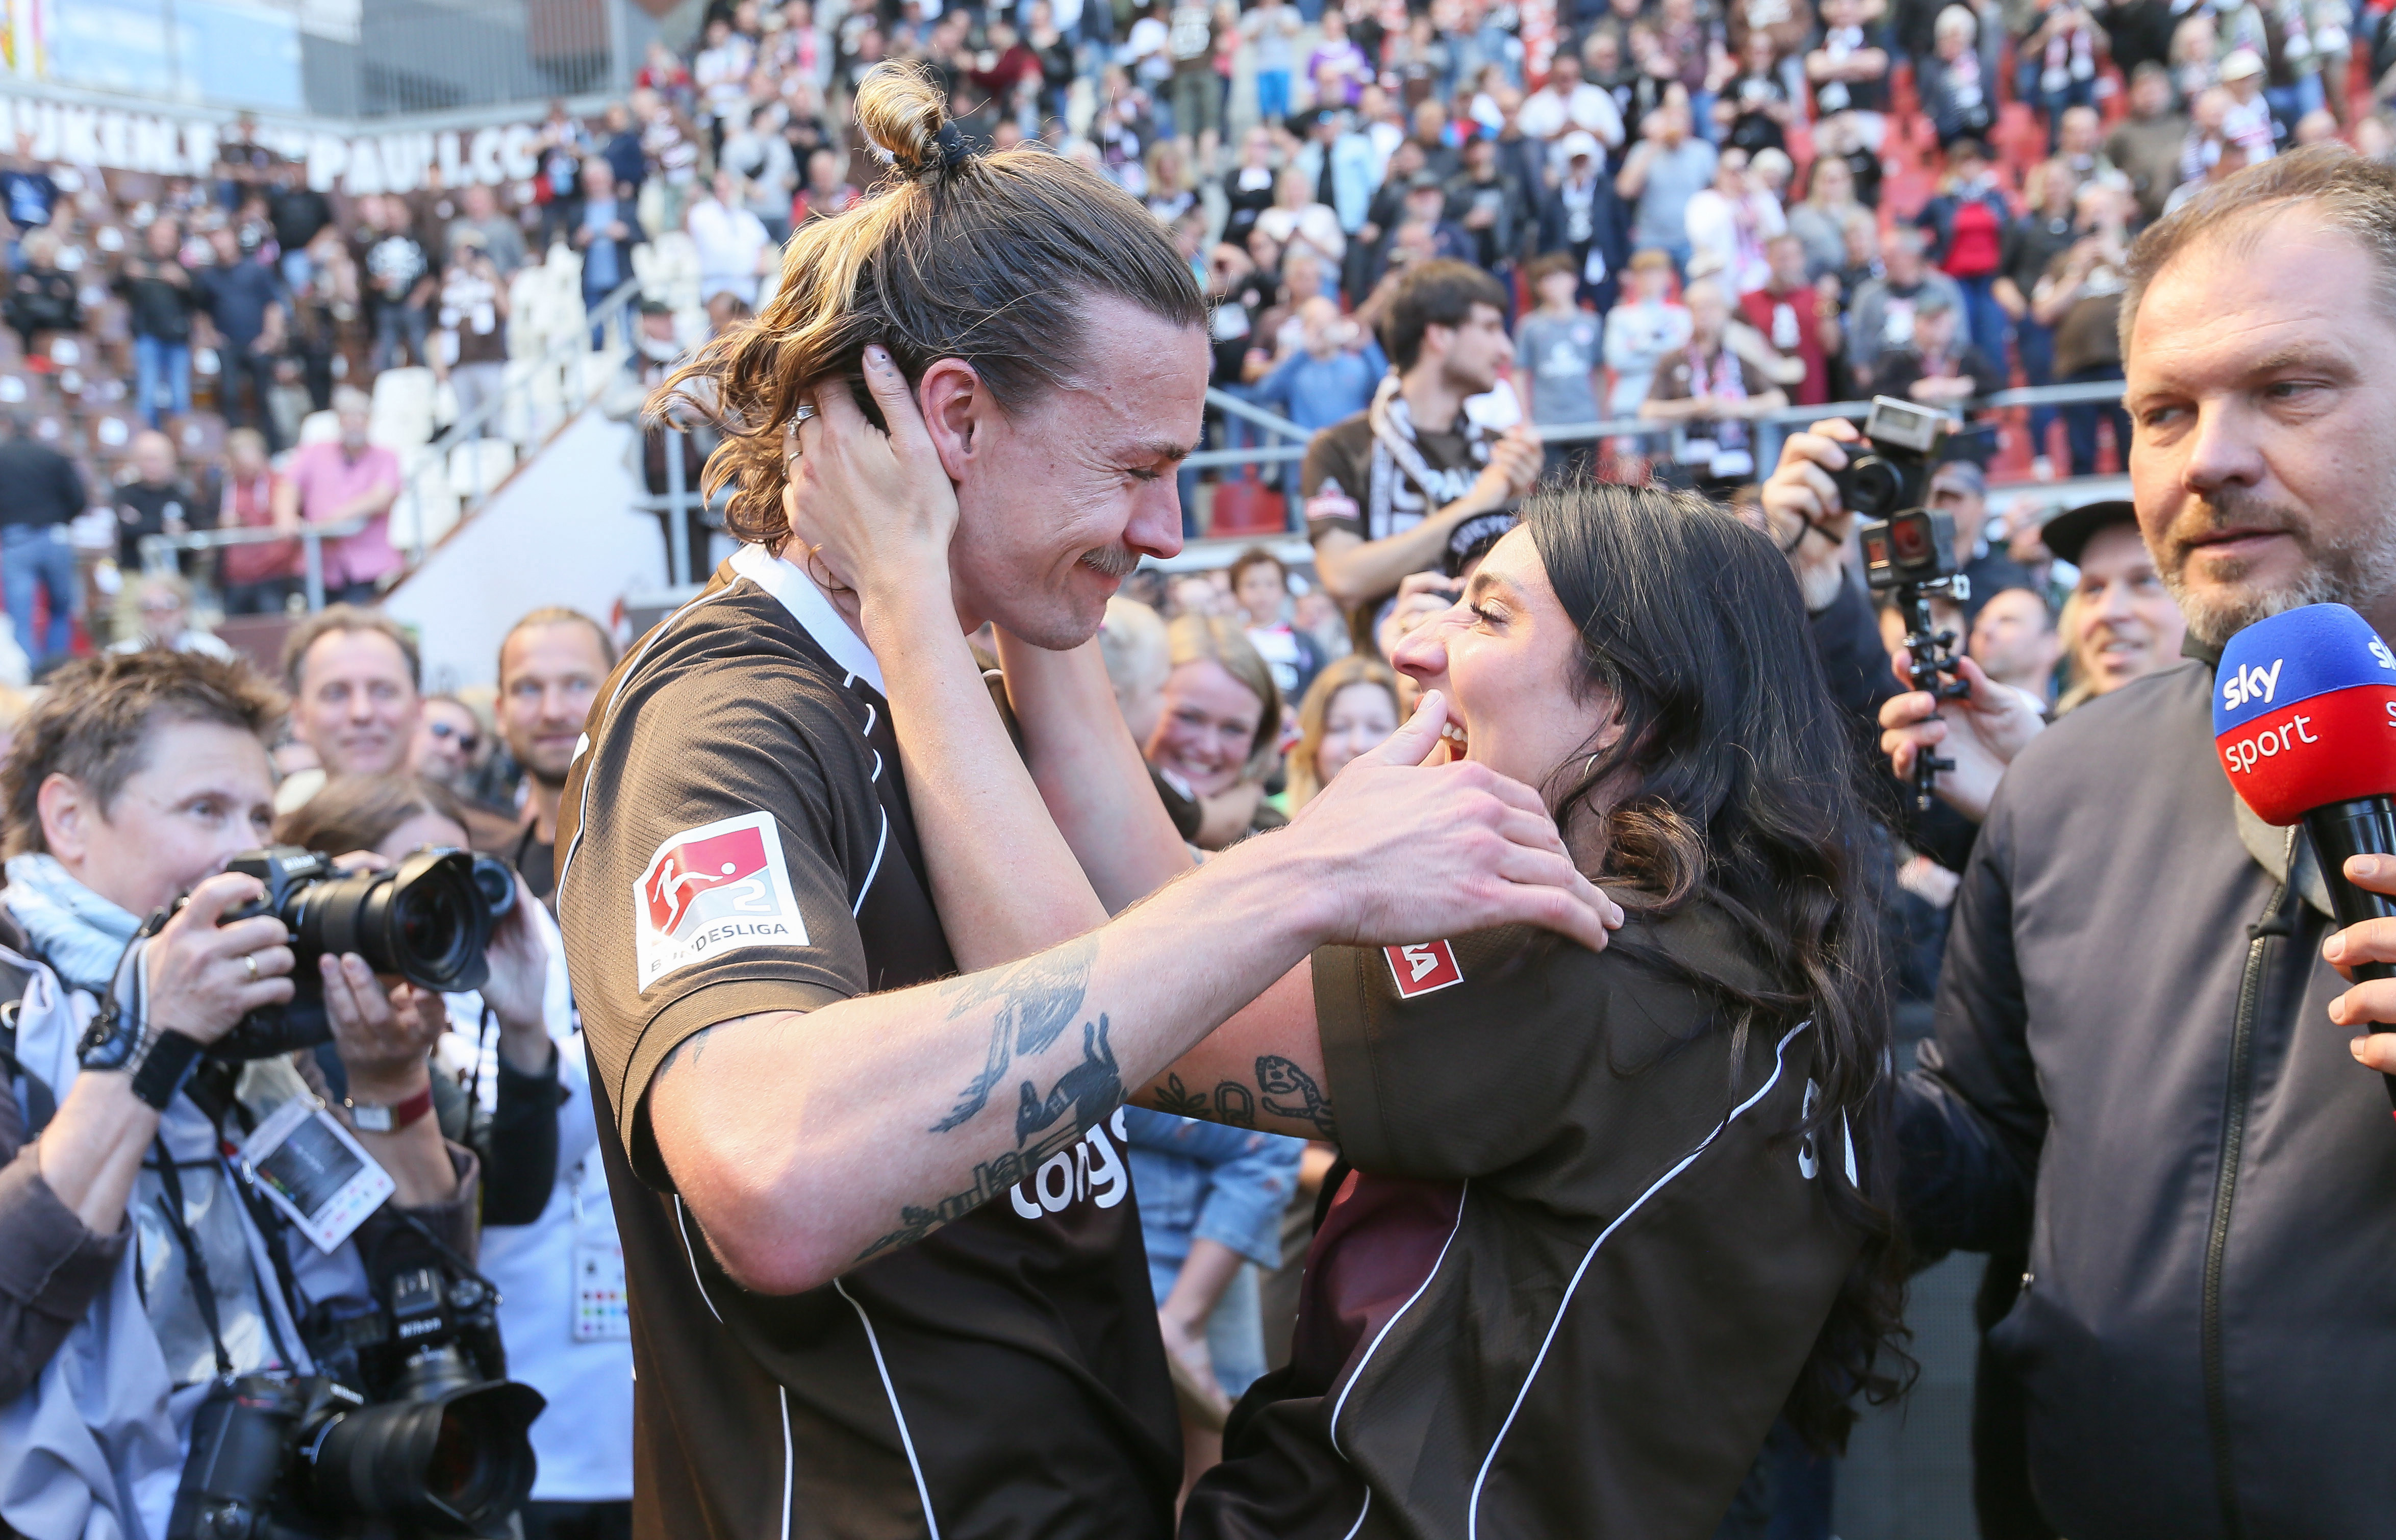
{"x":1609,"y":1214}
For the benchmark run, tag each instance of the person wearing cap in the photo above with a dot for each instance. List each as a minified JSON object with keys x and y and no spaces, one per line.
{"x":1582,"y":215}
{"x":2247,"y":123}
{"x":1412,"y":482}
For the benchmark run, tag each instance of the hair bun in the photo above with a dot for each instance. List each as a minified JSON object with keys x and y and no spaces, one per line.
{"x":905,"y":118}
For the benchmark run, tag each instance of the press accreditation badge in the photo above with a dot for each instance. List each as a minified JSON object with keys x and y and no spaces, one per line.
{"x":311,"y":1168}
{"x":713,"y":890}
{"x":603,"y":1309}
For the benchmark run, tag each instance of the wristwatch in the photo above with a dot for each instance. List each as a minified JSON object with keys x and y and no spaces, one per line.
{"x":380,"y":1118}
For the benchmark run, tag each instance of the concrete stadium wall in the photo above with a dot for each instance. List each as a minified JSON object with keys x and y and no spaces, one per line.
{"x":558,"y":533}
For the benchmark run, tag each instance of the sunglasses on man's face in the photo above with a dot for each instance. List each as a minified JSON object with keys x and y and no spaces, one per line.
{"x":468,"y":739}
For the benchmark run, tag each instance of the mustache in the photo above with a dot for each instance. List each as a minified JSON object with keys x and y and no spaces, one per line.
{"x":1112,"y":561}
{"x":2236,"y":508}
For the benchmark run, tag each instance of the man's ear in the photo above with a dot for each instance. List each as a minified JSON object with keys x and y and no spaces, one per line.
{"x":955,"y":406}
{"x":1436,"y":340}
{"x":66,"y":811}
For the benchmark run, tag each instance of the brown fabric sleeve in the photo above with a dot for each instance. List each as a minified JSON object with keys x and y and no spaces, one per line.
{"x":51,"y":1266}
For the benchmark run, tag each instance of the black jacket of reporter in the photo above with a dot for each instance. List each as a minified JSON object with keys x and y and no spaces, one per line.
{"x":2134,"y":1068}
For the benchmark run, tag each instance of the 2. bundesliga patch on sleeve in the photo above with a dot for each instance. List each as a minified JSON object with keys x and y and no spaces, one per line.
{"x":711,"y":890}
{"x":1423,"y":968}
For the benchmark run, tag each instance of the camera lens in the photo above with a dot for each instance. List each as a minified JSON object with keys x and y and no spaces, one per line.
{"x":458,"y":1458}
{"x":1873,"y":487}
{"x":425,"y":919}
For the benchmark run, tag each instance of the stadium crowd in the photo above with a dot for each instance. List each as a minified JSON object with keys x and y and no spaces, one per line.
{"x":1446,"y":241}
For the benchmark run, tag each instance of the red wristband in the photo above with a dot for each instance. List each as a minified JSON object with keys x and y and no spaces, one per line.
{"x":376,"y":1118}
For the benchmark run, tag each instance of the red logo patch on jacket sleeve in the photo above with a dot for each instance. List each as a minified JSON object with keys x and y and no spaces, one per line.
{"x":1423,"y":968}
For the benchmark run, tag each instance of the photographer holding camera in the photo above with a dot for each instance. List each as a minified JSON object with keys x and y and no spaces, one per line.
{"x":134,"y":1291}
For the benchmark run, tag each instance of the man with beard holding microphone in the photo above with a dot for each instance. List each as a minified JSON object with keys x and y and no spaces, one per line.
{"x":884,"y":1264}
{"x":2141,"y":1063}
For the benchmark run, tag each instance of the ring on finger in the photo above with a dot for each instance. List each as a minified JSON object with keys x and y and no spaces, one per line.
{"x":251,"y":963}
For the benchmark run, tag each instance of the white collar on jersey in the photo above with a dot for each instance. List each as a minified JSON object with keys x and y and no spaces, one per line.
{"x":812,"y":611}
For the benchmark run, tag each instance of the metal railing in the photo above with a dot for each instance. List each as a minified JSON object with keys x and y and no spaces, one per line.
{"x":563,"y":361}
{"x":424,"y":471}
{"x":158,"y":551}
{"x":1770,"y":427}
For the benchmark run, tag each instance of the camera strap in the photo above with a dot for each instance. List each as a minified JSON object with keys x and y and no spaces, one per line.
{"x":196,"y":1265}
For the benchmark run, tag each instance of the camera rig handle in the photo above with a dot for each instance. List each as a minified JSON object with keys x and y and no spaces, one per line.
{"x":1931,"y":667}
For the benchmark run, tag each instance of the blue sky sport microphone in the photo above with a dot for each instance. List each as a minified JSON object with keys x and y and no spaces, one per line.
{"x":2304,"y":718}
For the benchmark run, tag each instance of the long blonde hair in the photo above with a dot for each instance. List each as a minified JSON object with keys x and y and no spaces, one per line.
{"x":1355,"y":669}
{"x":988,"y":258}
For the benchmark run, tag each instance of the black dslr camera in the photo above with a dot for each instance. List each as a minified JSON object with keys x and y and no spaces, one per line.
{"x":1908,"y":549}
{"x":427,"y":919}
{"x":437,"y":1441}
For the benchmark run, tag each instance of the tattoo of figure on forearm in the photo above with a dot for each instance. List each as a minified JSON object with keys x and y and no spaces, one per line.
{"x":1032,"y":1004}
{"x":1235,"y":1102}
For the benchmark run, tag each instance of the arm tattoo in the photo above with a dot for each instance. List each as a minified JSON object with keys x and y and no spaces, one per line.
{"x":1088,"y":1092}
{"x":1032,"y":1004}
{"x":1279,"y":1077}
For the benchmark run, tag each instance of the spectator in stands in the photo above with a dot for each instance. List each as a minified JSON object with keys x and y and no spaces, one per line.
{"x":355,"y":680}
{"x":2081,"y":297}
{"x":734,"y":245}
{"x":1560,"y":351}
{"x":828,"y":189}
{"x":299,"y":212}
{"x":1752,"y":110}
{"x":605,"y":234}
{"x":1710,"y":395}
{"x":501,"y":238}
{"x":1882,"y":317}
{"x":160,"y":299}
{"x":2031,"y":245}
{"x":1583,"y":218}
{"x":474,"y":316}
{"x":1350,"y":709}
{"x":551,"y":664}
{"x":1967,"y":222}
{"x":42,"y":300}
{"x":155,"y":501}
{"x":2247,"y":121}
{"x":27,"y":193}
{"x":400,"y":284}
{"x":1664,"y":171}
{"x":2147,"y":146}
{"x":1641,"y":331}
{"x":1955,"y":91}
{"x":1822,"y":218}
{"x":2015,"y":642}
{"x":41,"y":493}
{"x":1328,"y":377}
{"x":2056,"y":61}
{"x":339,"y":481}
{"x":243,"y":298}
{"x":1942,"y":366}
{"x":1491,"y":207}
{"x":1413,"y":481}
{"x":1798,"y":318}
{"x":765,"y":176}
{"x":1728,"y":222}
{"x":1849,"y":75}
{"x":1260,"y":588}
{"x":259,"y":577}
{"x":156,"y":612}
{"x":325,"y":317}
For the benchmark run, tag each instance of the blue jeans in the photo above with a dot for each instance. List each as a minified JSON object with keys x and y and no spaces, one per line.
{"x":32,"y":554}
{"x":2079,"y":420}
{"x":1986,"y":319}
{"x":1272,"y":95}
{"x":2037,"y":345}
{"x":162,"y":378}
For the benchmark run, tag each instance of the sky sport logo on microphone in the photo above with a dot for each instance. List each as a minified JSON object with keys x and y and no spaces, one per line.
{"x":711,"y":890}
{"x":2306,"y":711}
